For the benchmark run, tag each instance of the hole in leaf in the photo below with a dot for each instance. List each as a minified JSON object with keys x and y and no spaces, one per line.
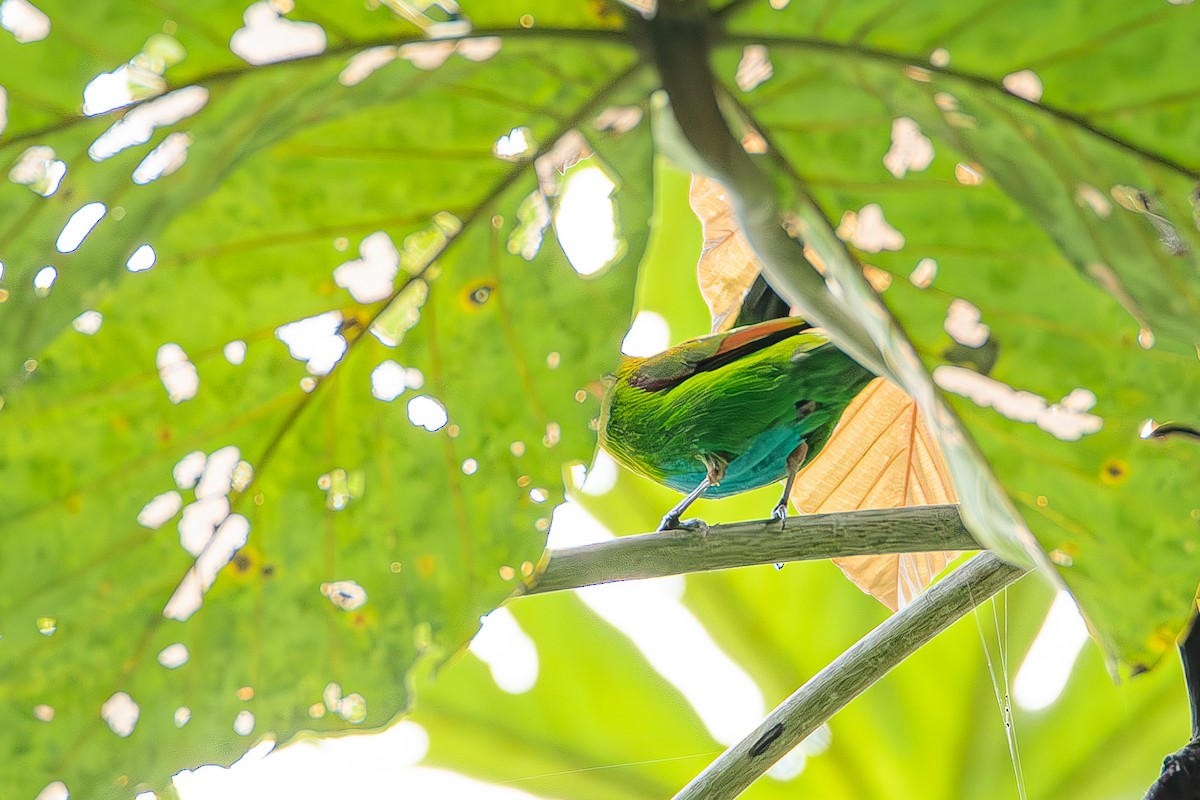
{"x":618,"y":119}
{"x":1024,"y":84}
{"x":388,"y":381}
{"x":869,"y":231}
{"x":138,"y":125}
{"x":269,"y":37}
{"x":189,"y":595}
{"x":427,"y":413}
{"x":158,"y":511}
{"x":243,"y":723}
{"x":38,"y":169}
{"x":235,"y":352}
{"x":43,"y":280}
{"x":586,"y":221}
{"x":217,"y":477}
{"x":754,"y":69}
{"x":88,"y":323}
{"x":371,"y":277}
{"x":165,"y":159}
{"x":187,"y":470}
{"x":142,"y":259}
{"x":910,"y":150}
{"x":315,"y":340}
{"x":516,"y":145}
{"x":964,"y":325}
{"x":200,"y":521}
{"x":27,"y":23}
{"x":1068,"y":421}
{"x":922,"y":277}
{"x":56,"y":790}
{"x":363,"y":64}
{"x":79,"y":226}
{"x":120,"y":713}
{"x":173,"y":656}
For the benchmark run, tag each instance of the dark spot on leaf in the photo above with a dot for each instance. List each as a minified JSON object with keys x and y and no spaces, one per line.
{"x":1114,"y":471}
{"x":982,"y":359}
{"x":268,"y":570}
{"x":241,"y":562}
{"x":165,"y":434}
{"x":766,"y":740}
{"x":352,"y":325}
{"x":479,"y":294}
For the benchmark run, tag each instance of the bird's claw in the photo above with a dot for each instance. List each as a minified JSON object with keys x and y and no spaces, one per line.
{"x":780,"y":513}
{"x":673,"y":523}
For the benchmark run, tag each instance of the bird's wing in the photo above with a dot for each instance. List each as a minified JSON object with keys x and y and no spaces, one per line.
{"x":675,"y":365}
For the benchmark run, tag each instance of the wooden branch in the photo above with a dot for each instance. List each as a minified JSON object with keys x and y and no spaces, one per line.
{"x":849,"y":675}
{"x":803,"y":538}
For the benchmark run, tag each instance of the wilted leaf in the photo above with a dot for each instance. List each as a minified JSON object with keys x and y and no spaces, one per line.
{"x":727,"y":263}
{"x":880,"y":456}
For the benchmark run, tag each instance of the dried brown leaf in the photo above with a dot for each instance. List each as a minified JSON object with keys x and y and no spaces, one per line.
{"x":728,"y":265}
{"x":880,"y":456}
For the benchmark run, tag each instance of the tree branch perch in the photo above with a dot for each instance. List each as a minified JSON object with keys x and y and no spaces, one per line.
{"x":803,"y":538}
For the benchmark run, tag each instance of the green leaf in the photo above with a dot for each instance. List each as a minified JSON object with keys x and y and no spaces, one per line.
{"x":1073,"y":285}
{"x":601,"y":722}
{"x":289,"y":171}
{"x":372,"y":542}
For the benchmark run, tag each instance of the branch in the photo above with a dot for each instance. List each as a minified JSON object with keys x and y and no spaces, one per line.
{"x":849,"y":675}
{"x":804,"y":538}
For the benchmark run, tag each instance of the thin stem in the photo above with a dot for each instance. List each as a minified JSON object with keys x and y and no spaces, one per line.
{"x":849,"y":675}
{"x":803,"y":538}
{"x":679,"y":41}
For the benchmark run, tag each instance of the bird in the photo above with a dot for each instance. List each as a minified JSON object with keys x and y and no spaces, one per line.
{"x":725,"y":413}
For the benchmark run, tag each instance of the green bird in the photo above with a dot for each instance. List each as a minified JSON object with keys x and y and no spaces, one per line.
{"x":723,"y":414}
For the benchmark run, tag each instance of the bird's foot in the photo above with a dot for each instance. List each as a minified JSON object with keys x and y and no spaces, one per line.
{"x":673,"y":523}
{"x":780,"y":513}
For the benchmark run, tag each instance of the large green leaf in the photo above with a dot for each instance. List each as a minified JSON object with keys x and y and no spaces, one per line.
{"x":286,"y":161}
{"x":289,"y":171}
{"x":593,"y":725}
{"x":1079,"y":291}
